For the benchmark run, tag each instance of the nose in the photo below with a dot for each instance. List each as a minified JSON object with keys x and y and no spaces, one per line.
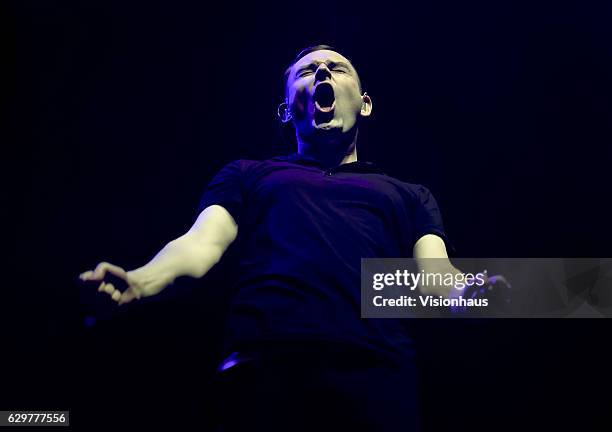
{"x":322,"y":73}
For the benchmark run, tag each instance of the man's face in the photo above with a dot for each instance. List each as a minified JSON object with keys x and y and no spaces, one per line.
{"x":324,"y":96}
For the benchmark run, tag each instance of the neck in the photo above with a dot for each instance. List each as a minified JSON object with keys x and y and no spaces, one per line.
{"x":329,"y":153}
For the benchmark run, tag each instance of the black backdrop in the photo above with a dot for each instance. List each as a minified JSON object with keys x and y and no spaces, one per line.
{"x":121,"y":112}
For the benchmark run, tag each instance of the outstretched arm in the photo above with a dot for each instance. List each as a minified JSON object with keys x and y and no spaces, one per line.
{"x":192,"y":254}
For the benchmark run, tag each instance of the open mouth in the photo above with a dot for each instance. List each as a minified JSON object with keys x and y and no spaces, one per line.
{"x":324,"y":97}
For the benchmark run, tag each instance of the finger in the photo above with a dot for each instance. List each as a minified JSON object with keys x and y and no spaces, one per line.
{"x":128,"y":295}
{"x":101,"y":287}
{"x":109,"y":288}
{"x":116,"y":295}
{"x":104,"y":267}
{"x":115,"y":270}
{"x":85,"y":275}
{"x":500,"y":278}
{"x":98,"y":272}
{"x":504,"y":280}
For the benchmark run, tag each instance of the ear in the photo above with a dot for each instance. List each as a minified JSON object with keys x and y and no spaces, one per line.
{"x":284,"y":113}
{"x":366,"y":105}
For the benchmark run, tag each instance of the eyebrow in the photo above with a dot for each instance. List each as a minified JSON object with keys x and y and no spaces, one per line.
{"x":329,"y":64}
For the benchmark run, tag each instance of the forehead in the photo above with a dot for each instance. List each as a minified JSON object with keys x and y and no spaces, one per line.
{"x":320,"y":56}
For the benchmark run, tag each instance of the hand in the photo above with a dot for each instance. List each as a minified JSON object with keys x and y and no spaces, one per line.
{"x":121,"y":285}
{"x":496,"y":282}
{"x":496,"y":288}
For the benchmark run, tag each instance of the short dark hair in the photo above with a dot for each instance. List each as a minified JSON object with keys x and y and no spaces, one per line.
{"x":307,"y":51}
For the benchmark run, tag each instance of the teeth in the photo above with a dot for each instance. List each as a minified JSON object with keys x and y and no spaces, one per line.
{"x":325,"y":109}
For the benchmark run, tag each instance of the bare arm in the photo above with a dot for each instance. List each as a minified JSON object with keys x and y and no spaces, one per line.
{"x":432,"y":246}
{"x":192,"y":254}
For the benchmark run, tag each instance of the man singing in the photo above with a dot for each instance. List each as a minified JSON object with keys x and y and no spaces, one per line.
{"x":298,"y":355}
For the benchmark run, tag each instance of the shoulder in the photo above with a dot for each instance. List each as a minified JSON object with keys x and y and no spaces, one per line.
{"x":240,"y":164}
{"x":257,"y":168}
{"x":236,"y":168}
{"x":248,"y":171}
{"x":247,"y":164}
{"x":416,"y":188}
{"x":413,"y":191}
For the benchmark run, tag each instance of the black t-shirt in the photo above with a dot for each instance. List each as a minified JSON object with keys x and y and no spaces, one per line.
{"x":302,"y":231}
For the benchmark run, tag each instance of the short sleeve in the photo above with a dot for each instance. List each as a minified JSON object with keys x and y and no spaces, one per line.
{"x":428,"y":217}
{"x":226,"y":190}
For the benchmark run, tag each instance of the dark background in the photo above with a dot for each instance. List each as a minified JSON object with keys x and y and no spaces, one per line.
{"x":119,"y":113}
